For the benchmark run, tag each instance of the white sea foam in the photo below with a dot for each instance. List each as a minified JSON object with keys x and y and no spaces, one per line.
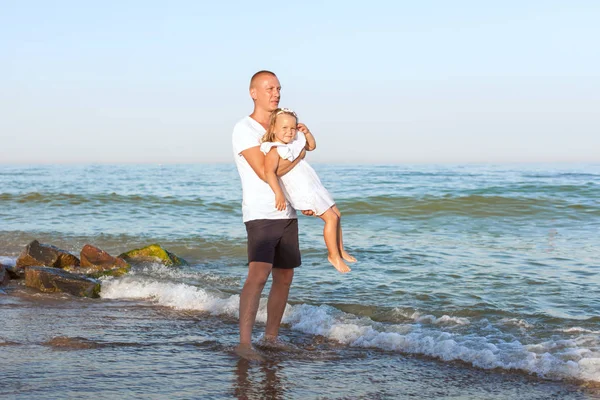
{"x":520,"y":323}
{"x":431,"y":319}
{"x":177,"y":295}
{"x":443,"y":320}
{"x":577,"y":329}
{"x":8,"y":261}
{"x":556,"y":359}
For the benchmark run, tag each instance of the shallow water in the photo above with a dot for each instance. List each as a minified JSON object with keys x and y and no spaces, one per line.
{"x":80,"y":348}
{"x":473,"y":282}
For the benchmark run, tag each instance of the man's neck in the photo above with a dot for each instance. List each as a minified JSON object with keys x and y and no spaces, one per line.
{"x":262,"y":117}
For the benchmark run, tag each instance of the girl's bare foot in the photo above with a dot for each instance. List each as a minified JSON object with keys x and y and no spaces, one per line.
{"x":339,"y":264}
{"x":348,"y":257}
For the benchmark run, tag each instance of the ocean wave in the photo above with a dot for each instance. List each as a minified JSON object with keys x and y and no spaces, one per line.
{"x":553,"y":359}
{"x":577,"y":329}
{"x":430,"y":319}
{"x":571,"y":201}
{"x":72,"y":343}
{"x":99,"y":199}
{"x":184,"y":275}
{"x":519,"y":323}
{"x":180,"y":296}
{"x":468,"y":205}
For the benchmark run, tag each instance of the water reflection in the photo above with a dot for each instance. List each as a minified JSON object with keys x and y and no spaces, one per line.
{"x":258,"y":381}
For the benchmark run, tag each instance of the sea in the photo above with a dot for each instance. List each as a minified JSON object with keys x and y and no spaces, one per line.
{"x":475,"y":281}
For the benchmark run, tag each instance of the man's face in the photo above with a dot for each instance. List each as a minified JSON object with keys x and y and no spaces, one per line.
{"x":266,"y":92}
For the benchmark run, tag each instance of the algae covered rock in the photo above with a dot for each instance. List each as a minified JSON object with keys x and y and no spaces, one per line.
{"x":36,"y":254}
{"x":97,"y":262}
{"x":48,"y":279}
{"x":155,"y":254}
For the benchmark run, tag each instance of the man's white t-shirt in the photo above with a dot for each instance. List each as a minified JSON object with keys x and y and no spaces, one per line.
{"x":258,"y":200}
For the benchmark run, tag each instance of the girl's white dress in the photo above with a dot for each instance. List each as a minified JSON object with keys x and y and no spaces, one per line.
{"x":301,"y":186}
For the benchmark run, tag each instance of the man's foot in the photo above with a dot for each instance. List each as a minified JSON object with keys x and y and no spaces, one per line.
{"x":348,"y":257}
{"x":339,"y":264}
{"x":268,"y":342}
{"x":248,"y":353}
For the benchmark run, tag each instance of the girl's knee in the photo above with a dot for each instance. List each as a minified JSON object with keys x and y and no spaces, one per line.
{"x":330,"y":215}
{"x":336,"y":211}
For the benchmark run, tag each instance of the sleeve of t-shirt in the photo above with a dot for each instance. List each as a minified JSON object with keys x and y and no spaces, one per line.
{"x":243,"y":139}
{"x":297,"y":145}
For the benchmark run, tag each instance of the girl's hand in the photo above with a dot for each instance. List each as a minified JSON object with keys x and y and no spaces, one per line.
{"x":280,"y":202}
{"x":311,"y":144}
{"x":302,"y":128}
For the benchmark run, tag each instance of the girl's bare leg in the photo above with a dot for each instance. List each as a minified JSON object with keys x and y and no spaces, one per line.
{"x":330,"y":233}
{"x":343,"y":252}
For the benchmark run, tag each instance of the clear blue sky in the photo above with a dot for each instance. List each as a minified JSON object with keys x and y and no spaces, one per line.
{"x":376,"y":81}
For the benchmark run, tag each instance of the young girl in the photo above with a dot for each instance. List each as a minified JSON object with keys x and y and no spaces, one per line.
{"x":301,"y":186}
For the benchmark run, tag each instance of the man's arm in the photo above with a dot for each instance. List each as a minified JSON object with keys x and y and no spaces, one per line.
{"x":256,"y":159}
{"x":286,"y":166}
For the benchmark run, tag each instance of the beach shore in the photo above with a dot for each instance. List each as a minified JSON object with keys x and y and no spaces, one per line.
{"x":55,"y":345}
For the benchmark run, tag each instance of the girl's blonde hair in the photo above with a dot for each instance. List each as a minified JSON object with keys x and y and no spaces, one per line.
{"x":269,"y":136}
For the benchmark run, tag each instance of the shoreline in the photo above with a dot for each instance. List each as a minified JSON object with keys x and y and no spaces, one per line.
{"x":378,"y":373}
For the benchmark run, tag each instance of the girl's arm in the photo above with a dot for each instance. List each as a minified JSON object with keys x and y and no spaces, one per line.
{"x":271,"y":164}
{"x":311,"y":144}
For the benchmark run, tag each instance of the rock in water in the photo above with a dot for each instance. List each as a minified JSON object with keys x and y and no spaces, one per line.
{"x":153,"y":253}
{"x":97,"y":262}
{"x":14,"y":272}
{"x":36,"y":254}
{"x":4,"y":276}
{"x":47,"y":279}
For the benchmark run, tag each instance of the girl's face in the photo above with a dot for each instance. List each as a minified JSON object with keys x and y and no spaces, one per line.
{"x":285,"y":128}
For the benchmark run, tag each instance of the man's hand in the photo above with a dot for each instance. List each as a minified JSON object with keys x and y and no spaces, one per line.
{"x":308,"y":212}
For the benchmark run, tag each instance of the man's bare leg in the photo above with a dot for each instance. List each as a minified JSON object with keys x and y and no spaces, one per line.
{"x":258,"y":273}
{"x":330,"y":234}
{"x":343,"y":252}
{"x":280,"y":289}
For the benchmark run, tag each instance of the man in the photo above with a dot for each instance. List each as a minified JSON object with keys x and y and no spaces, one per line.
{"x":272,"y":234}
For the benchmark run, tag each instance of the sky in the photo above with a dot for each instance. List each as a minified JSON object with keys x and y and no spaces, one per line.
{"x":375,"y":81}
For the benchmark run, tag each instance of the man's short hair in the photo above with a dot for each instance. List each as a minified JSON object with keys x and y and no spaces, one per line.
{"x":258,"y":74}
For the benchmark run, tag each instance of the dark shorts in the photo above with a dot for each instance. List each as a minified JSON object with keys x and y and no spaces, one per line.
{"x":274,"y":241}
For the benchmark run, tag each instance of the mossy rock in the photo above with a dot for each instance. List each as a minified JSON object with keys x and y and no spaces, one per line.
{"x":155,"y":254}
{"x":95,"y":272}
{"x":49,"y":280}
{"x":112,"y":272}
